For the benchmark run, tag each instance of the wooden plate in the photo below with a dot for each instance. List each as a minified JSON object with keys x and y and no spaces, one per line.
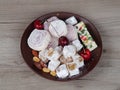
{"x":27,"y":55}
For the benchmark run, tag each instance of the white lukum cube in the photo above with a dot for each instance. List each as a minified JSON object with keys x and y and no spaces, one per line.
{"x":78,"y":60}
{"x":79,"y":63}
{"x":71,"y":20}
{"x":62,"y":71}
{"x":53,"y":54}
{"x":73,"y":69}
{"x":53,"y":64}
{"x":42,"y":55}
{"x":74,"y":72}
{"x":77,"y":44}
{"x":69,"y":51}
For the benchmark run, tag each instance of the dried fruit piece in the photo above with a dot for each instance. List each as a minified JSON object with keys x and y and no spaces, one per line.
{"x":53,"y":73}
{"x":38,"y":65}
{"x":46,"y":70}
{"x":36,"y":59}
{"x":43,"y":64}
{"x":35,"y":53}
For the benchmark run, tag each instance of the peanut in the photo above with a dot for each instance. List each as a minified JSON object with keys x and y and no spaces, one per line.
{"x":36,"y":59}
{"x":53,"y":73}
{"x":46,"y":70}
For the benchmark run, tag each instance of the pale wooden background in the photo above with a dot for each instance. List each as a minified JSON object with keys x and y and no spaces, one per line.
{"x":15,"y":15}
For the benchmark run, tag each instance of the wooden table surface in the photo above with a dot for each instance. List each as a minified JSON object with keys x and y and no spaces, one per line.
{"x":15,"y":15}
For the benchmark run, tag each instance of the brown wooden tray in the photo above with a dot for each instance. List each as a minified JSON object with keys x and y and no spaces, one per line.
{"x":27,"y":55}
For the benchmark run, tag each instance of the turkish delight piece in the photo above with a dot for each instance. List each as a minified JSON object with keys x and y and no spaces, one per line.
{"x":72,"y":34}
{"x":71,"y":20}
{"x":53,"y":54}
{"x":39,"y":39}
{"x":78,"y":60}
{"x":42,"y":55}
{"x":77,"y":44}
{"x":58,"y":28}
{"x":53,"y":43}
{"x":62,"y":71}
{"x":85,"y":36}
{"x":47,"y":22}
{"x":69,"y":51}
{"x":72,"y":68}
{"x":53,"y":64}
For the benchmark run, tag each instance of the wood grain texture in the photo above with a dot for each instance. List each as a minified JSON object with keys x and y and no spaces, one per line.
{"x":15,"y":15}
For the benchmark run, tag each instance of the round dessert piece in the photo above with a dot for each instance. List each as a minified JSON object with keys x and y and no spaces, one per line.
{"x":39,"y":39}
{"x":58,"y":28}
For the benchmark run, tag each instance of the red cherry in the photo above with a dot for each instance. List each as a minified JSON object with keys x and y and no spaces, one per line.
{"x":63,"y":41}
{"x":86,"y":54}
{"x":38,"y":24}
